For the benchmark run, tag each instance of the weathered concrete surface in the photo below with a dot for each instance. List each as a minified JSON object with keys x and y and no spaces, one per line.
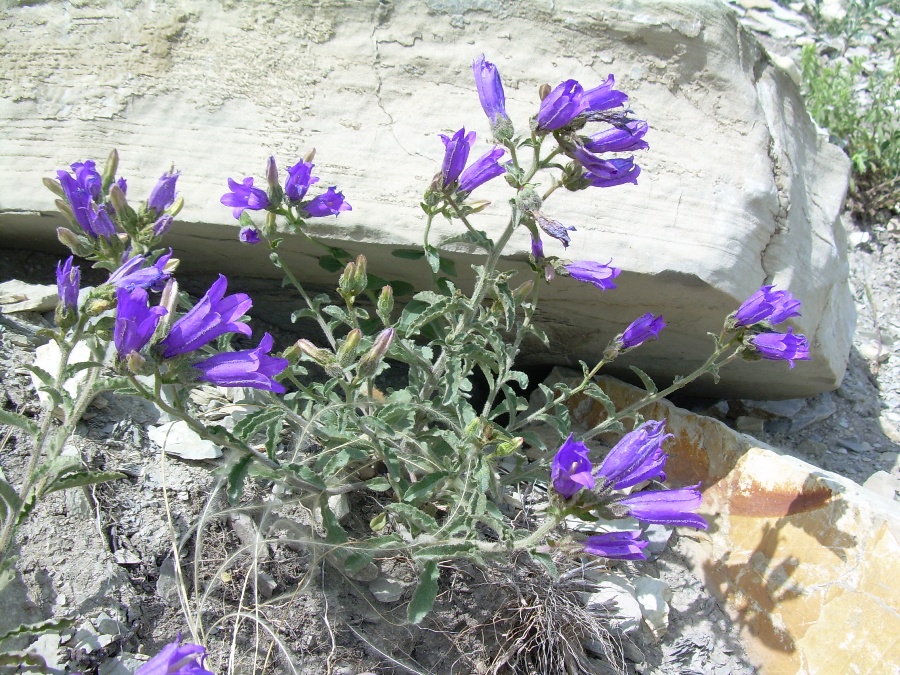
{"x":738,"y":189}
{"x":805,"y":560}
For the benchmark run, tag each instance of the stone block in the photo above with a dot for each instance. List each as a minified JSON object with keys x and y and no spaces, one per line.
{"x":738,"y":188}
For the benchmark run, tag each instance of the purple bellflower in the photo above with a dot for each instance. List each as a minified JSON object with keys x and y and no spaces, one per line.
{"x":299,"y":180}
{"x":601,"y":98}
{"x":571,"y":468}
{"x":162,"y":225}
{"x":456,"y":154}
{"x":482,"y":170}
{"x":637,"y":457}
{"x":781,"y":346}
{"x":562,"y":105}
{"x":213,"y":316}
{"x":244,"y":196}
{"x":252,"y":368}
{"x":537,"y":249}
{"x":79,"y":200}
{"x":177,"y":659}
{"x":629,"y":136}
{"x":89,"y":178}
{"x":135,"y":321}
{"x":589,"y":271}
{"x":163,"y":194}
{"x":329,"y":203}
{"x":619,"y":545}
{"x":666,"y":507}
{"x":640,"y":330}
{"x":101,"y":224}
{"x":554,"y":228}
{"x":249,"y":235}
{"x":68,"y":281}
{"x":624,"y":171}
{"x":767,"y":305}
{"x":132,"y":273}
{"x":490,"y":93}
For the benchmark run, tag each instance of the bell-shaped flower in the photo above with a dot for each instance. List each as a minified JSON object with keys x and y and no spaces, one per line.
{"x":602,"y":98}
{"x":625,"y":545}
{"x":626,"y":137}
{"x":163,"y":194}
{"x":637,"y":457}
{"x":89,"y":178}
{"x":132,"y":273}
{"x":456,"y":154}
{"x":177,"y":659}
{"x":136,"y":321}
{"x":68,"y":282}
{"x":646,"y":327}
{"x":766,"y":304}
{"x":329,"y":203}
{"x":617,"y":171}
{"x":490,"y":93}
{"x":781,"y":346}
{"x":666,"y":507}
{"x":253,"y":368}
{"x":591,"y":272}
{"x":162,"y":225}
{"x":244,"y":196}
{"x":571,"y":468}
{"x":562,"y":105}
{"x":482,"y":170}
{"x":213,"y":316}
{"x":554,"y":228}
{"x":249,"y":235}
{"x":299,"y":180}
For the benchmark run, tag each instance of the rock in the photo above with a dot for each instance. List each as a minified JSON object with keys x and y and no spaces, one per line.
{"x":657,"y":538}
{"x":769,"y":409}
{"x":47,"y":358}
{"x":167,"y":585}
{"x":18,"y":296}
{"x":855,"y":446}
{"x":820,"y":409}
{"x":177,"y":438}
{"x":615,"y":601}
{"x":749,"y":425}
{"x":386,"y":589}
{"x":696,"y":237}
{"x":653,"y":596}
{"x":884,"y":484}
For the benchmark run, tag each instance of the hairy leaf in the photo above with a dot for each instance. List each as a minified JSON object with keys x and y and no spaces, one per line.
{"x":80,"y":478}
{"x":424,"y":596}
{"x":16,"y":420}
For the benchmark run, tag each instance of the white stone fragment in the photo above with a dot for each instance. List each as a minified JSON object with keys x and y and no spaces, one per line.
{"x":177,"y":438}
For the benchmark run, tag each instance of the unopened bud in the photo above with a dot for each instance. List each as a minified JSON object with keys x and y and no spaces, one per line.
{"x":360,"y":280}
{"x":97,"y":306}
{"x":169,"y":301}
{"x":321,"y":356}
{"x":385,"y":304}
{"x":479,"y":205}
{"x":368,"y":364}
{"x":347,"y":351}
{"x":135,"y":362}
{"x":176,"y":207}
{"x":66,"y":210}
{"x":171,"y":265}
{"x":78,"y":245}
{"x":353,"y":279}
{"x":272,"y":172}
{"x":310,"y":156}
{"x":544,"y":91}
{"x":528,"y":200}
{"x":524,"y":290}
{"x":120,"y":203}
{"x":112,"y":165}
{"x":54,"y":187}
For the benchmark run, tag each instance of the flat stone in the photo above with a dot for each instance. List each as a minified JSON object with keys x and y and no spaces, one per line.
{"x":177,"y":438}
{"x":792,"y":552}
{"x":167,"y":586}
{"x":749,"y":425}
{"x":653,"y":595}
{"x":386,"y":589}
{"x":820,"y":409}
{"x":884,"y":484}
{"x":768,"y":409}
{"x":18,"y":296}
{"x":695,"y":238}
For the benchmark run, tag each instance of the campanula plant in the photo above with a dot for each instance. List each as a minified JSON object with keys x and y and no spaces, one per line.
{"x":439,"y":462}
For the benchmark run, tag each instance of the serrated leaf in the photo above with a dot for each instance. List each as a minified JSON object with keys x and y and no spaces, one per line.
{"x":308,"y":475}
{"x":433,"y":258}
{"x":408,"y":253}
{"x":412,"y":516}
{"x":45,"y":377}
{"x":595,"y":392}
{"x":22,"y":658}
{"x":334,"y":533}
{"x":74,"y":368}
{"x":82,"y":478}
{"x":424,"y":488}
{"x":16,"y":420}
{"x":33,"y":629}
{"x":425,"y":594}
{"x":236,"y":476}
{"x":649,"y":384}
{"x":444,"y":552}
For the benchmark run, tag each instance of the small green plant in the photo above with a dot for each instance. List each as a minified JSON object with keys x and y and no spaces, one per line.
{"x":859,"y":108}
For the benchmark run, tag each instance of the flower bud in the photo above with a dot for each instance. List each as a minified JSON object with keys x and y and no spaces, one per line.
{"x":112,"y":165}
{"x":385,"y":304}
{"x":528,"y":200}
{"x":353,"y":279}
{"x":479,"y":205}
{"x":176,"y":207}
{"x":78,"y":245}
{"x":544,"y":91}
{"x":97,"y":306}
{"x":369,"y":363}
{"x":171,"y":264}
{"x":162,"y":225}
{"x":54,"y":187}
{"x":347,"y":351}
{"x":66,"y":210}
{"x":135,"y":362}
{"x":321,"y":356}
{"x":310,"y":156}
{"x":275,"y":193}
{"x":523,"y":291}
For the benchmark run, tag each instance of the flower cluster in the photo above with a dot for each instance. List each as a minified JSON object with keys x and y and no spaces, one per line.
{"x":756,"y":318}
{"x":244,"y":196}
{"x":636,"y":458}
